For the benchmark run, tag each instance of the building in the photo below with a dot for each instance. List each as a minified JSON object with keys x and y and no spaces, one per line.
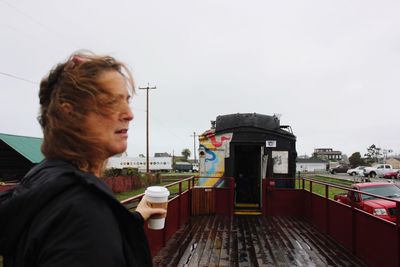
{"x":155,"y":163}
{"x":18,"y":154}
{"x":327,"y":154}
{"x":311,"y":165}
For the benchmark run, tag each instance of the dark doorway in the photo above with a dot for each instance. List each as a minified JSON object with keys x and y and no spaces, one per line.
{"x":247,"y":174}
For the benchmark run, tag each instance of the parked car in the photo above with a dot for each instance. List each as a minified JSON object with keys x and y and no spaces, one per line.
{"x":339,"y":169}
{"x":382,"y":208}
{"x":394,"y":174}
{"x":356,"y":171}
{"x":378,"y":170}
{"x":182,"y":166}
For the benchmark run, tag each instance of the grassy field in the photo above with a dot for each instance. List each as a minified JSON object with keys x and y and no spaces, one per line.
{"x":179,"y":174}
{"x":317,"y":189}
{"x":173,"y":189}
{"x":320,"y":189}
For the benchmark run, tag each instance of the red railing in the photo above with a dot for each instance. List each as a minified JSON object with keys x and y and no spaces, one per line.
{"x":374,"y":240}
{"x":179,"y":206}
{"x":370,"y":238}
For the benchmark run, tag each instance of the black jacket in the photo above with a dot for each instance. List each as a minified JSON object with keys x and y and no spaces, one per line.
{"x":60,"y":216}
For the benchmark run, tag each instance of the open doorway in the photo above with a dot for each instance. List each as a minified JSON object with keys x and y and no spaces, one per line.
{"x":247,"y":175}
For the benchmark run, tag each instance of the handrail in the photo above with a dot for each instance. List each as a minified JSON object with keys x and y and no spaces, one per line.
{"x":351,"y":189}
{"x":138,"y":197}
{"x":326,"y":183}
{"x":180,"y":181}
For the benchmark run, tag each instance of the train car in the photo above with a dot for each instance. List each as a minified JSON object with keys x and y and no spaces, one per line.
{"x":248,"y":147}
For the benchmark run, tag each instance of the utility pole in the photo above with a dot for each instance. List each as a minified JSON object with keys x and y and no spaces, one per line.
{"x":147,"y":123}
{"x":194,"y":146}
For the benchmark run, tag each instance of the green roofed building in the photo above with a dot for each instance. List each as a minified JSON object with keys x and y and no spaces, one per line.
{"x":18,"y":154}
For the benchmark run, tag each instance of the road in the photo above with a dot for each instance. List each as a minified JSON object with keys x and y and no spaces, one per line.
{"x":358,"y":179}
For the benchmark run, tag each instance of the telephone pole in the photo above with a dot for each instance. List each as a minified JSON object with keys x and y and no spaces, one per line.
{"x":147,"y":123}
{"x":194,"y":146}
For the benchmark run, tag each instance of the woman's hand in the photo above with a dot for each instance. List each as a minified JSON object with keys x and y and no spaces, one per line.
{"x":147,"y":211}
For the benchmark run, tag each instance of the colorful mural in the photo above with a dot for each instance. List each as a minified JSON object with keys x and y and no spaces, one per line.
{"x":213,"y":151}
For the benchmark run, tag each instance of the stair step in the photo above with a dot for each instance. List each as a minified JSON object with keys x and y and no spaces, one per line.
{"x":247,"y":205}
{"x":247,"y":212}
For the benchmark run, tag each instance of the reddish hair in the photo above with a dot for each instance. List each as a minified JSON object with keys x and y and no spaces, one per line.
{"x":75,"y":83}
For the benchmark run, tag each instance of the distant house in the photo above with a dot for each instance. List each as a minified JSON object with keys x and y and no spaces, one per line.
{"x":327,"y":154}
{"x":311,"y":165}
{"x":18,"y":154}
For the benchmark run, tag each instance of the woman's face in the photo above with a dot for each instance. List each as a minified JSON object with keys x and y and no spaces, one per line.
{"x":111,"y":130}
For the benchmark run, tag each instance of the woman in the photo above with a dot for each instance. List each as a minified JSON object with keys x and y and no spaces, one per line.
{"x":61,"y":214}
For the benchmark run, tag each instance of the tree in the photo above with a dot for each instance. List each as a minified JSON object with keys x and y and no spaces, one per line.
{"x":356,"y":160}
{"x":374,"y":153}
{"x":186,"y":153}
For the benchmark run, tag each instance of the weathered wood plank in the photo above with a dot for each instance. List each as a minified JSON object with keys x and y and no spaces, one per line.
{"x":217,"y":246}
{"x":191,"y":249}
{"x":276,"y":246}
{"x":249,"y":238}
{"x":177,"y":246}
{"x":301,"y":251}
{"x":259,"y":255}
{"x":197,"y":253}
{"x":252,"y":241}
{"x":233,"y":251}
{"x":209,"y":245}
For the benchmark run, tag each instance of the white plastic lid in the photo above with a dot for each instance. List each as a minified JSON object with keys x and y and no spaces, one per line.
{"x":157,"y":191}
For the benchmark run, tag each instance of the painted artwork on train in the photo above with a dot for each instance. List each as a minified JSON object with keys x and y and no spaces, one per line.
{"x":213,"y":151}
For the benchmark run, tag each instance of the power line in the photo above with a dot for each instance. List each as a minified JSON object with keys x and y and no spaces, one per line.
{"x":161,"y":124}
{"x":18,"y":78}
{"x":37,"y":22}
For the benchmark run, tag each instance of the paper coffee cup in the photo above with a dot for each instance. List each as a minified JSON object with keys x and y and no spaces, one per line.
{"x":157,"y":197}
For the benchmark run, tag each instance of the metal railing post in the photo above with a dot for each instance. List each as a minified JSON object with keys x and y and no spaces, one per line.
{"x":353,"y":226}
{"x":327,"y":207}
{"x":311,"y":201}
{"x":180,"y":204}
{"x":398,"y":231}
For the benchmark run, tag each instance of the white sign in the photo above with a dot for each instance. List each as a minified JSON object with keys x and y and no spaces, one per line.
{"x":270,"y":143}
{"x":281,"y":159}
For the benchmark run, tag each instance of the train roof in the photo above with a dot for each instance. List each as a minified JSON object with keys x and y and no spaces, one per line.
{"x":228,"y":122}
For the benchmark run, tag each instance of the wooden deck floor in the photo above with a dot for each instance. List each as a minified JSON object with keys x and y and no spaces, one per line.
{"x":251,"y":241}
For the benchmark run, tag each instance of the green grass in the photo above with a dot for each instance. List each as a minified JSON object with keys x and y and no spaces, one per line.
{"x":320,"y":189}
{"x":179,"y":174}
{"x":317,"y":188}
{"x":173,"y":189}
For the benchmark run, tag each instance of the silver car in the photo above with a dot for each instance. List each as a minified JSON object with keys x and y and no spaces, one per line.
{"x":356,"y":171}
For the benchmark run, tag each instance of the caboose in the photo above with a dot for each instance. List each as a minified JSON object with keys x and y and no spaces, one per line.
{"x":249,"y":147}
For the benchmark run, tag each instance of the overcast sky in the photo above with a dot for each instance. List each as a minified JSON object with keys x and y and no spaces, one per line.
{"x":331,"y":68}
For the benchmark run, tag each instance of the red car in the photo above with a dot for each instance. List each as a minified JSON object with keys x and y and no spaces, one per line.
{"x":382,"y":208}
{"x":392,"y":174}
